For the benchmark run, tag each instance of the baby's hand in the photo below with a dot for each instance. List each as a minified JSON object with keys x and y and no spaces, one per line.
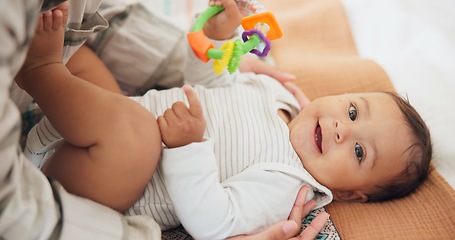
{"x":297,"y":92}
{"x":223,"y":25}
{"x":181,"y":125}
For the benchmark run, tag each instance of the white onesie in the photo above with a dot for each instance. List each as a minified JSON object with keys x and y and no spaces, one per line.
{"x":245,"y":175}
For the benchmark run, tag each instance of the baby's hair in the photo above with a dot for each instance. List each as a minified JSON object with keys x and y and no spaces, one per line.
{"x":419,"y":156}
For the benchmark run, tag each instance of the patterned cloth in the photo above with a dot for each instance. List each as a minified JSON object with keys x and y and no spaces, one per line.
{"x":142,"y":50}
{"x":329,"y":232}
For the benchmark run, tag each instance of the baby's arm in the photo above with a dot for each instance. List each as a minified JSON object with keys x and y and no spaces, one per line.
{"x":223,"y":25}
{"x":243,"y":204}
{"x":218,"y":29}
{"x":299,"y":95}
{"x":255,"y":65}
{"x":180,"y":125}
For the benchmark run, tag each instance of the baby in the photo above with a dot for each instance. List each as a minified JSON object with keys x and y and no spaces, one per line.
{"x":237,"y":147}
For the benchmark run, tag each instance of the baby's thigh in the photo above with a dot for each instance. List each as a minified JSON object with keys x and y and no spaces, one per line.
{"x":116,"y":180}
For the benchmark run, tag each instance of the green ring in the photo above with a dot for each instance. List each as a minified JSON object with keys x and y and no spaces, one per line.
{"x":205,"y":16}
{"x":239,"y":49}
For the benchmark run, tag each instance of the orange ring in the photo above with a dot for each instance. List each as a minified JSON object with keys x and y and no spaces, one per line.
{"x":200,"y":44}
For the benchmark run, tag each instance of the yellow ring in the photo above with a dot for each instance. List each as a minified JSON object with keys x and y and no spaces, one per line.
{"x":219,"y":65}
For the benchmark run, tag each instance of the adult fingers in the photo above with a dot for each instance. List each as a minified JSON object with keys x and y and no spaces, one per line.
{"x":193,"y":100}
{"x":280,"y":231}
{"x":315,"y":227}
{"x":310,"y":205}
{"x":296,"y":214}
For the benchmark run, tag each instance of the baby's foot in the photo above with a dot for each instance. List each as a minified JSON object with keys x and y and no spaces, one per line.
{"x":47,"y":44}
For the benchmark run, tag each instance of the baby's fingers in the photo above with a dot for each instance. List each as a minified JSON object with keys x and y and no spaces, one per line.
{"x":215,"y":3}
{"x":195,"y":105}
{"x":298,"y":93}
{"x":162,"y":123}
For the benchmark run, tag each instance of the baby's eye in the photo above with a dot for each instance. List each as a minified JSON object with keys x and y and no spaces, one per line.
{"x":352,"y":112}
{"x":358,"y":150}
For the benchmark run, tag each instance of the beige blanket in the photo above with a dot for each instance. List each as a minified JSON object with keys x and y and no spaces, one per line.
{"x":318,"y":47}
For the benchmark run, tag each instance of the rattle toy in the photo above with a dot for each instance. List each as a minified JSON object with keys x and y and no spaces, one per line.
{"x":260,"y":27}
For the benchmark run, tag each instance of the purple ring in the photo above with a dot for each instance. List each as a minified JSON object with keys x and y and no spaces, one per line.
{"x":264,"y":39}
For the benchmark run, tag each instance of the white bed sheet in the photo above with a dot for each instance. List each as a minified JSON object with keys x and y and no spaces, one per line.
{"x":414,"y":41}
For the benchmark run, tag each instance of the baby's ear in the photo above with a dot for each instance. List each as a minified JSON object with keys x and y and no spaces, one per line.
{"x":350,"y":196}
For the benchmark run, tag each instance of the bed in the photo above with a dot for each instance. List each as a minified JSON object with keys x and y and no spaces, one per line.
{"x":340,"y":46}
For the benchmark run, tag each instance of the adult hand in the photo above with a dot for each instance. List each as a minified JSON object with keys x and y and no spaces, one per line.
{"x":290,"y":228}
{"x":253,"y":64}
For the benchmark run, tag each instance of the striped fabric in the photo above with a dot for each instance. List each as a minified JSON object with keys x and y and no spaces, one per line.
{"x":243,"y":123}
{"x":32,"y":206}
{"x":141,"y":49}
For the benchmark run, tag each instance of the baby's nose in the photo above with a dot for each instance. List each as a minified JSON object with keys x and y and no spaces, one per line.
{"x":342,"y":131}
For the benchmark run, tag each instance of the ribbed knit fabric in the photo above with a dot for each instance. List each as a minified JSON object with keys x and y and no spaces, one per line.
{"x":42,"y":138}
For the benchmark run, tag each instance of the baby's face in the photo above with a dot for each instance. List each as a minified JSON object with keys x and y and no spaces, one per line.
{"x":351,"y":142}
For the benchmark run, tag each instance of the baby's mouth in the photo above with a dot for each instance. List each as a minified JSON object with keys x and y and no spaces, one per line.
{"x":318,"y":137}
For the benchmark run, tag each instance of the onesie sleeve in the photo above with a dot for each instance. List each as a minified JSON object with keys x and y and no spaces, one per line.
{"x":284,"y":99}
{"x":242,"y":204}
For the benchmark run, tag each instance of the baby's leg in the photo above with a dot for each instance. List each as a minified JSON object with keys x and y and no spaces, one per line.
{"x":45,"y":46}
{"x":112,"y":143}
{"x":87,"y":65}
